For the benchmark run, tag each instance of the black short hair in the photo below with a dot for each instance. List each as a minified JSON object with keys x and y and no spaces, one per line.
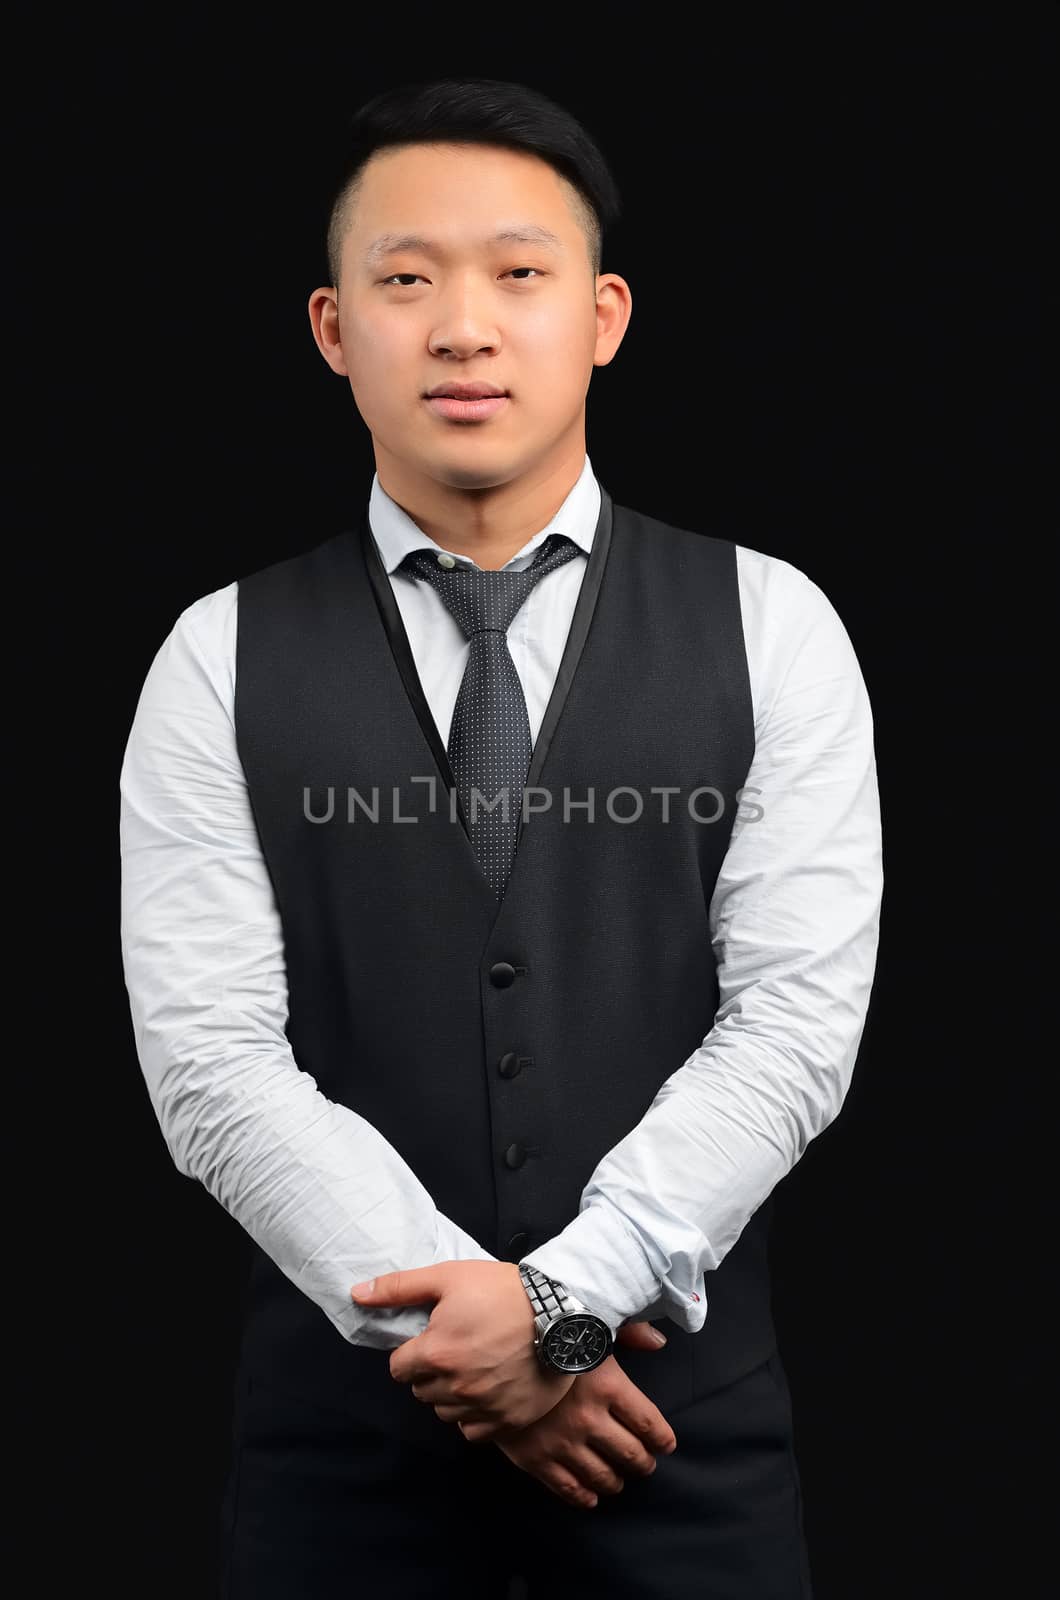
{"x":476,"y":111}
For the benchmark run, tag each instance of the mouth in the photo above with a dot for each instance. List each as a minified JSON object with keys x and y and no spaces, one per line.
{"x":458,"y":408}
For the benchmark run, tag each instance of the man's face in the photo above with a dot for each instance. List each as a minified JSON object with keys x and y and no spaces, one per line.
{"x":527,"y":316}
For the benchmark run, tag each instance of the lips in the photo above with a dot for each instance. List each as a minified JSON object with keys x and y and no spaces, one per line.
{"x":458,"y":410}
{"x":465,"y":391}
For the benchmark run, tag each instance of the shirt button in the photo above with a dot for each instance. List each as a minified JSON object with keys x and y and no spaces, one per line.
{"x":445,"y":560}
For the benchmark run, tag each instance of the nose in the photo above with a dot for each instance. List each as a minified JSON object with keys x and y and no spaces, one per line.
{"x":465,"y":324}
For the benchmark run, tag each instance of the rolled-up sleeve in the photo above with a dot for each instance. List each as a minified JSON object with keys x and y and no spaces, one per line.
{"x":794,"y":921}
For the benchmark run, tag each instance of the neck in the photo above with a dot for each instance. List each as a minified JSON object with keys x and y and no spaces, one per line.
{"x":489,"y":522}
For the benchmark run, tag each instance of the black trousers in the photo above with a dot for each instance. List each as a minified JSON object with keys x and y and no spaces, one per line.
{"x":317,"y":1504}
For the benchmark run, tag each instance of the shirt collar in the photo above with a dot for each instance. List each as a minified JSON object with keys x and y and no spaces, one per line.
{"x":395,"y":533}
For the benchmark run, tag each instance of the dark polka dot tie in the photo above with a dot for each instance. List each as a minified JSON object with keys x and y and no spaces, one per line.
{"x":489,"y":738}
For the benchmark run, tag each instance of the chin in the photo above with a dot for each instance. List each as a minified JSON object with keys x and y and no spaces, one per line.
{"x":473,"y":475}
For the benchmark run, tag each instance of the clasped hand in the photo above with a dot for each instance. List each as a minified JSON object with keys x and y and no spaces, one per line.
{"x":475,"y":1362}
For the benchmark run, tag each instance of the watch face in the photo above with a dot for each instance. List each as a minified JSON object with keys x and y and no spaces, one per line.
{"x":577,"y":1343}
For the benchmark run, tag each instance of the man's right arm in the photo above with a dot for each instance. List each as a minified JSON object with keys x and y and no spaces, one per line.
{"x":323,"y":1193}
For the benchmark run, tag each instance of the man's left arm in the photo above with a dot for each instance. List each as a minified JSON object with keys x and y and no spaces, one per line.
{"x":795,"y":926}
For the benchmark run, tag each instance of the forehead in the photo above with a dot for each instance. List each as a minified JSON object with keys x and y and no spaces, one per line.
{"x":444,"y":199}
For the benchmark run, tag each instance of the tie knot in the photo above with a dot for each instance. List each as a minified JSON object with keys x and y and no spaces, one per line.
{"x":487,"y":602}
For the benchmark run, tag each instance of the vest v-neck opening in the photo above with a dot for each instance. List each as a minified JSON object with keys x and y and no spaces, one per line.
{"x":398,"y":640}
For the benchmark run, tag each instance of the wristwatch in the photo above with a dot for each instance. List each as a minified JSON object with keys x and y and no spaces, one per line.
{"x":569,"y":1337}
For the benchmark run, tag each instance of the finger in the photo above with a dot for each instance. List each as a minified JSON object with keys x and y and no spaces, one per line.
{"x":410,"y":1286}
{"x":603,"y":1439}
{"x":595,"y":1473}
{"x":414,"y":1361}
{"x":462,"y":1412}
{"x":556,"y":1478}
{"x":645,"y":1422}
{"x":405,"y":1363}
{"x":568,"y":1487}
{"x":623,"y":1453}
{"x":476,"y":1432}
{"x":431,"y":1390}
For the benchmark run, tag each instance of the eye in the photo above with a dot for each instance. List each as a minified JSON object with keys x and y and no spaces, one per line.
{"x":394,"y":275}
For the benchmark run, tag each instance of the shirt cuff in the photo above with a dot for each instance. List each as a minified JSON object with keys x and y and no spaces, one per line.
{"x":601,"y":1261}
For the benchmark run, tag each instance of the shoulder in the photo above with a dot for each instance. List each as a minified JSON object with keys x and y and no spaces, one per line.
{"x":797,"y":644}
{"x":775,"y":594}
{"x":316,"y":565}
{"x":193,"y":668}
{"x":209,"y":624}
{"x":767,"y":580}
{"x":204,"y":634}
{"x":778,"y":597}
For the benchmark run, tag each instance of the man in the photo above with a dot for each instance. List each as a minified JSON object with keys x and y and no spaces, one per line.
{"x":501,"y":887}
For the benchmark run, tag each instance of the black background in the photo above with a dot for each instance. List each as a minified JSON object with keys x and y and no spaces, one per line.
{"x":833,"y":229}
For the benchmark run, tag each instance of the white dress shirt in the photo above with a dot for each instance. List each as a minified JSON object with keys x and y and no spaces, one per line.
{"x":794,"y":926}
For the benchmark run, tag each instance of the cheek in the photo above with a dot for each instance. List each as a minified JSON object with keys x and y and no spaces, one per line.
{"x":374,"y":344}
{"x":544,"y":330}
{"x":377,"y":356}
{"x":562,"y":343}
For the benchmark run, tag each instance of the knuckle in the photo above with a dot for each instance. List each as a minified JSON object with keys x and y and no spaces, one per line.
{"x":639,"y":1461}
{"x":601,"y":1477}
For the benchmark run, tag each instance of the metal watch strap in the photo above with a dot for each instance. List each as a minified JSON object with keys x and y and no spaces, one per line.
{"x":547,"y":1295}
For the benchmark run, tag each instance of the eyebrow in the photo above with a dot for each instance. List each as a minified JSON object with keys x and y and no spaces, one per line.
{"x":525,"y":233}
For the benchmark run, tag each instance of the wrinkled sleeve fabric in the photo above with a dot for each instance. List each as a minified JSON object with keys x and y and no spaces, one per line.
{"x":794,"y":922}
{"x":323,"y":1193}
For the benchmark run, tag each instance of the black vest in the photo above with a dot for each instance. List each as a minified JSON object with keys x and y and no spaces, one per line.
{"x":502,"y":1093}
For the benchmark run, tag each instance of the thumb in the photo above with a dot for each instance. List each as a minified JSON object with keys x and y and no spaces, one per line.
{"x":411,"y":1287}
{"x":640,"y":1336}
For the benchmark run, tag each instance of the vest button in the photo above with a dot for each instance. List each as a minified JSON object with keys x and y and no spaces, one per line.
{"x":502,"y":973}
{"x":517,"y":1245}
{"x":514,"y":1156}
{"x":509,"y":1065}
